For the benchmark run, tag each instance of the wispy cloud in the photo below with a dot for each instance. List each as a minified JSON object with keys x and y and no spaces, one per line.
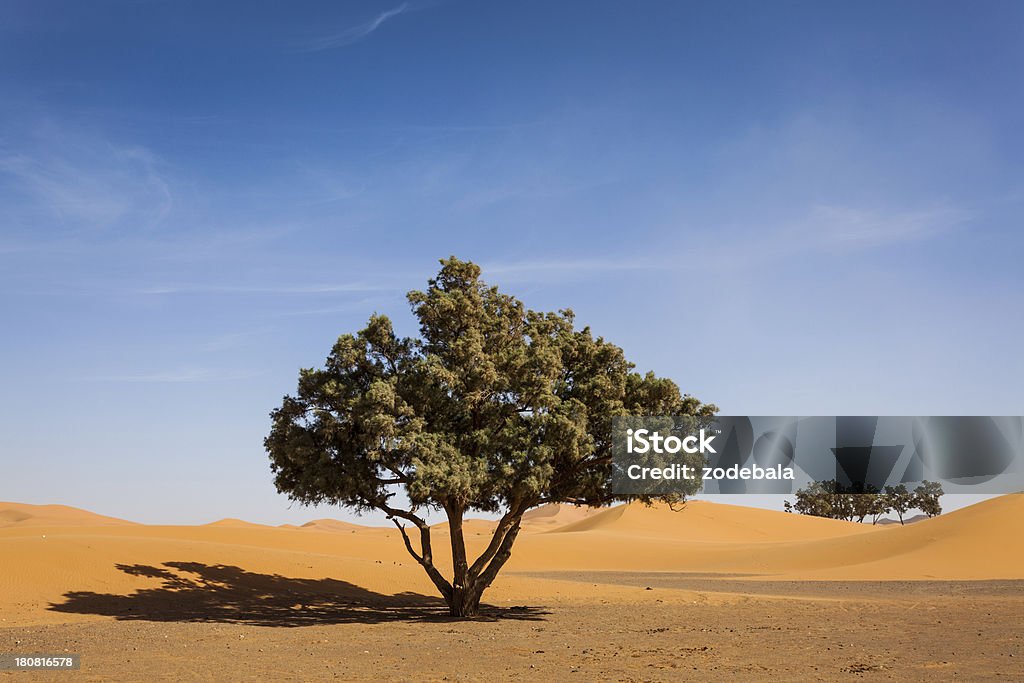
{"x":354,"y":34}
{"x":818,"y":231}
{"x":230,"y":341}
{"x":355,"y":305}
{"x":849,"y":228}
{"x":555,"y":269}
{"x":83,"y":182}
{"x":824,"y":228}
{"x":327,"y":288}
{"x":177,"y":376}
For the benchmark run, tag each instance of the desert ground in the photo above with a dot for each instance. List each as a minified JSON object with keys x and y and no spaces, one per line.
{"x":713,"y":592}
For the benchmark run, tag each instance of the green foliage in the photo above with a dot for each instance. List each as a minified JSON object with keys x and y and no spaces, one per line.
{"x":856,"y":503}
{"x":818,"y":499}
{"x":864,"y":502}
{"x":878,"y":507}
{"x":926,"y":498}
{"x":831,"y":499}
{"x":493,"y":407}
{"x":899,"y":499}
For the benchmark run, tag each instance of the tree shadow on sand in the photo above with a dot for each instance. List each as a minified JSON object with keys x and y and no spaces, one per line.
{"x":196,"y":592}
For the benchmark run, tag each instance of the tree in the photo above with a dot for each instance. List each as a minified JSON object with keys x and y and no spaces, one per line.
{"x":863,"y":501}
{"x":879,"y":507}
{"x":821,"y":499}
{"x":829,"y":498}
{"x":926,"y":498}
{"x":857,"y":502}
{"x":899,"y":500}
{"x":493,"y":408}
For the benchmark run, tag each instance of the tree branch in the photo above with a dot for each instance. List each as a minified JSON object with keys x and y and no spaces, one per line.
{"x":404,"y":514}
{"x":408,"y":543}
{"x":512,"y":517}
{"x":402,"y":477}
{"x":425,"y":557}
{"x":500,"y":557}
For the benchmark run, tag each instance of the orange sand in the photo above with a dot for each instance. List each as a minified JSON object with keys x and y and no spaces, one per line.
{"x":48,"y":551}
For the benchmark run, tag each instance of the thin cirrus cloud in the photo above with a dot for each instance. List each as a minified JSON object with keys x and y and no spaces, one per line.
{"x":267,"y":289}
{"x":830,"y":228}
{"x":354,"y":34}
{"x":556,"y":270}
{"x":177,"y":376}
{"x":837,"y":229}
{"x":74,"y":183}
{"x":853,"y":228}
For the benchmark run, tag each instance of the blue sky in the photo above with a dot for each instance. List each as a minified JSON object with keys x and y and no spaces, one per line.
{"x":788,"y":208}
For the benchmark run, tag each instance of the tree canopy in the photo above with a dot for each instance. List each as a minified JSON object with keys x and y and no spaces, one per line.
{"x":493,"y":408}
{"x":857,"y":502}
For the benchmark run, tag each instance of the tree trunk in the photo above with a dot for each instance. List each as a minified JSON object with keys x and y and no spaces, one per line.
{"x":469,"y":583}
{"x":465,"y":600}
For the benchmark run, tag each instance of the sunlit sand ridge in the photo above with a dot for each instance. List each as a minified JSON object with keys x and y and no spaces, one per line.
{"x":49,"y":551}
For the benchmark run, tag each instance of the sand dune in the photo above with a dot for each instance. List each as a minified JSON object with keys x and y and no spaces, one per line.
{"x":983,"y":541}
{"x":329,"y":525}
{"x":49,"y":552}
{"x":554,"y":516}
{"x":712,"y":522}
{"x":234,"y":523}
{"x":23,"y":514}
